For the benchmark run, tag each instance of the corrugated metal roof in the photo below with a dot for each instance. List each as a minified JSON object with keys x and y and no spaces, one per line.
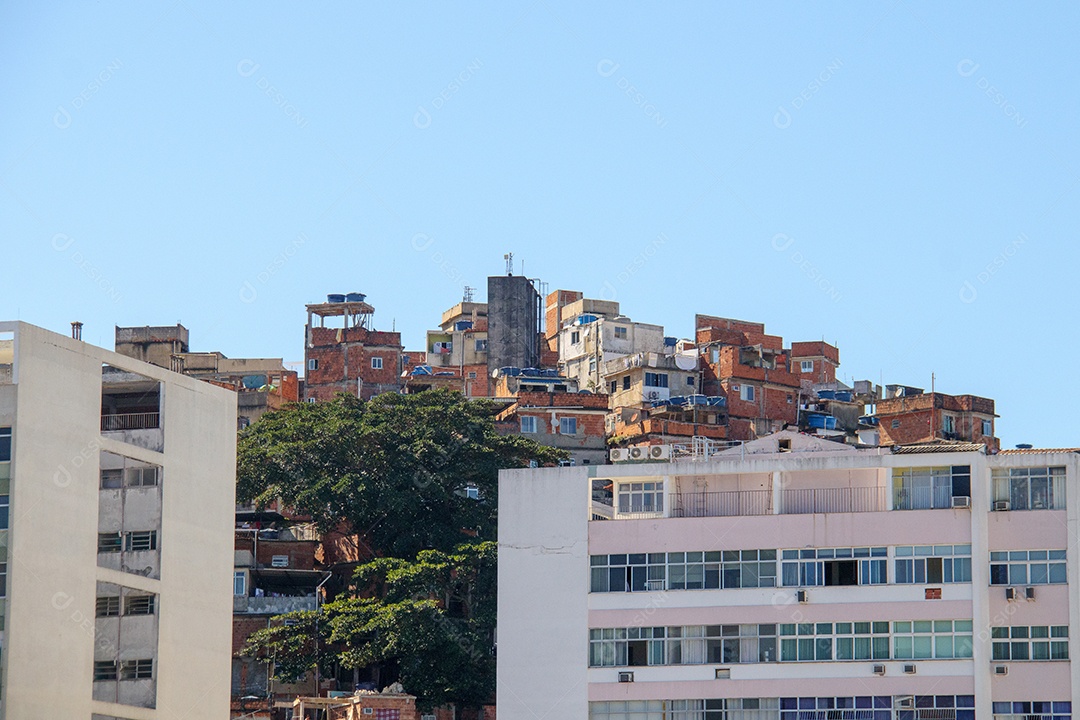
{"x":1037,"y":451}
{"x":938,"y":447}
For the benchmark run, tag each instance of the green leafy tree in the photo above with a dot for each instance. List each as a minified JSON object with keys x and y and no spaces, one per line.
{"x":432,"y":626}
{"x":393,"y":470}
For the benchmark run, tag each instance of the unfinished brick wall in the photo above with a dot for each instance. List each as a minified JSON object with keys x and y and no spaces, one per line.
{"x":345,"y":356}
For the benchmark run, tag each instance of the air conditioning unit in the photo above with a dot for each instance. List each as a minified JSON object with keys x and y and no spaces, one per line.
{"x":656,"y":584}
{"x":652,"y":395}
{"x":1010,"y":593}
{"x":660,"y":452}
{"x":879,"y":669}
{"x":801,"y":596}
{"x":637,"y":453}
{"x":1001,"y":669}
{"x":961,"y":501}
{"x":626,"y":677}
{"x":1029,"y":593}
{"x":618,"y":455}
{"x":905,"y":702}
{"x":1001,"y":505}
{"x":723,"y":673}
{"x":909,"y":669}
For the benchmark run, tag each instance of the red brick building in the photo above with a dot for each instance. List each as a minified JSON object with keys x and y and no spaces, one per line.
{"x":567,"y":420}
{"x":814,"y":361}
{"x":352,"y":357}
{"x":915,"y":417}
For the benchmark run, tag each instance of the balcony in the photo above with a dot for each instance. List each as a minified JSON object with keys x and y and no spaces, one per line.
{"x":833,"y":500}
{"x":721,"y":504}
{"x":245,"y":605}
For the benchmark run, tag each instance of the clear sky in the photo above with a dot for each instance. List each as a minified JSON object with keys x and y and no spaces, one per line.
{"x":900,"y":178}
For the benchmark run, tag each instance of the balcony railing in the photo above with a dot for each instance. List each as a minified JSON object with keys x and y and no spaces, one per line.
{"x":130,"y":421}
{"x":833,"y":500}
{"x":272,"y":605}
{"x":721,"y":504}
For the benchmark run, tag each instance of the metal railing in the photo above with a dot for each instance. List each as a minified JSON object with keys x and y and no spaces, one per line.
{"x":833,"y":500}
{"x":130,"y":421}
{"x":721,"y":504}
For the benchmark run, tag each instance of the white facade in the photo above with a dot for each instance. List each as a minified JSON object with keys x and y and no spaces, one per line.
{"x":584,"y":348}
{"x":119,"y":537}
{"x":792,"y":574}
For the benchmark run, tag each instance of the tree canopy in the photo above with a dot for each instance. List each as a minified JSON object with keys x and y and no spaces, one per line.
{"x":394,"y":469}
{"x":433,"y":620}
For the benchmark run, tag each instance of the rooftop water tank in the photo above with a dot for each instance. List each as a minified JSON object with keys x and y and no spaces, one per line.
{"x":355,"y":297}
{"x":335,"y":298}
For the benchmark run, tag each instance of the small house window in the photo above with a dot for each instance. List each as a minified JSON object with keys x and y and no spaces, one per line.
{"x":376,"y":363}
{"x":108,"y":606}
{"x":948,"y":424}
{"x":896,"y":423}
{"x":568,"y":426}
{"x":806,"y":366}
{"x":575,"y":337}
{"x":239,"y":583}
{"x":620,"y":333}
{"x":313,"y":364}
{"x":614,"y":386}
{"x":528,"y":424}
{"x":656,"y":379}
{"x":746,"y":392}
{"x":139,"y":605}
{"x":626,"y":382}
{"x":481,"y":345}
{"x":987,"y":428}
{"x":690,"y":380}
{"x":139,"y":541}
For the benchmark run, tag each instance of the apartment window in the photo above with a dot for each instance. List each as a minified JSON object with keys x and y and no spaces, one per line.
{"x":141,"y":476}
{"x":575,"y":337}
{"x":3,"y":579}
{"x":108,"y":606}
{"x":104,"y":670}
{"x":239,"y":583}
{"x":682,"y":645}
{"x":592,"y":365}
{"x":472,"y":376}
{"x":834,"y":566}
{"x":801,"y":642}
{"x":137,"y":669}
{"x":709,"y":570}
{"x":110,"y":542}
{"x":895,"y":423}
{"x":528,"y":424}
{"x":1031,"y":488}
{"x":481,"y":345}
{"x":313,"y":364}
{"x":806,"y":366}
{"x":141,"y":540}
{"x":112,"y":479}
{"x":1036,"y":642}
{"x":614,"y":386}
{"x":1038,"y":710}
{"x":656,"y":380}
{"x":931,"y":639}
{"x":5,"y":444}
{"x":948,"y":424}
{"x":620,"y":333}
{"x":929,"y":488}
{"x":376,"y":363}
{"x":690,"y":380}
{"x":641,"y":497}
{"x":139,"y":605}
{"x":568,"y":426}
{"x":987,"y":428}
{"x":933,"y":564}
{"x":746,"y":392}
{"x":1028,"y":567}
{"x":626,"y":382}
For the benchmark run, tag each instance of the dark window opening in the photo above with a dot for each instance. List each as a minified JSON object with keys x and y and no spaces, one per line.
{"x":842,"y":572}
{"x":626,"y":382}
{"x":934,"y":572}
{"x":637,"y":653}
{"x":961,"y":481}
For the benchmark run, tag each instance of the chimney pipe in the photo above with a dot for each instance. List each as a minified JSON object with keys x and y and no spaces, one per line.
{"x":76,"y":330}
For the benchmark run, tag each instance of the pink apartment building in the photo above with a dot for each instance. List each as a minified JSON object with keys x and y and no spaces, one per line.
{"x":792,"y":578}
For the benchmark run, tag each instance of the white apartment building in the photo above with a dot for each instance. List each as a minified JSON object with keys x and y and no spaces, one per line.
{"x":793,"y":578}
{"x":116,"y":546}
{"x":587,"y":341}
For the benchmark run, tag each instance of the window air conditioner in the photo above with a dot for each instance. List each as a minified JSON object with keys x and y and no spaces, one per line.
{"x":905,"y":701}
{"x":1001,"y":505}
{"x":961,"y":501}
{"x":1001,"y":669}
{"x":909,"y":669}
{"x":801,"y":596}
{"x":1010,"y":593}
{"x":879,"y":669}
{"x":626,"y":677}
{"x":723,"y":673}
{"x":1029,"y":593}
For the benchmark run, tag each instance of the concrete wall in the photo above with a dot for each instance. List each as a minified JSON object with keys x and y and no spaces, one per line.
{"x":54,"y":407}
{"x":513,"y":317}
{"x":543,"y":594}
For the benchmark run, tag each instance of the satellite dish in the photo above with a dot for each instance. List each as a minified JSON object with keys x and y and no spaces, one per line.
{"x":686,"y":362}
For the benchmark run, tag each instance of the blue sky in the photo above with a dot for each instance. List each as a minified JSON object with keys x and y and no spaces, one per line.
{"x":900,"y":178}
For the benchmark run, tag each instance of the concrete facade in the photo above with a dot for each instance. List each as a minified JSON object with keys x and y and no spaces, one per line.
{"x":119,"y":535}
{"x":514,"y":332}
{"x":793,"y":577}
{"x":587,"y":346}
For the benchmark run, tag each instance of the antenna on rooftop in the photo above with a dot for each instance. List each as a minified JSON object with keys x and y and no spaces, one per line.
{"x":509,"y":258}
{"x":468,"y":296}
